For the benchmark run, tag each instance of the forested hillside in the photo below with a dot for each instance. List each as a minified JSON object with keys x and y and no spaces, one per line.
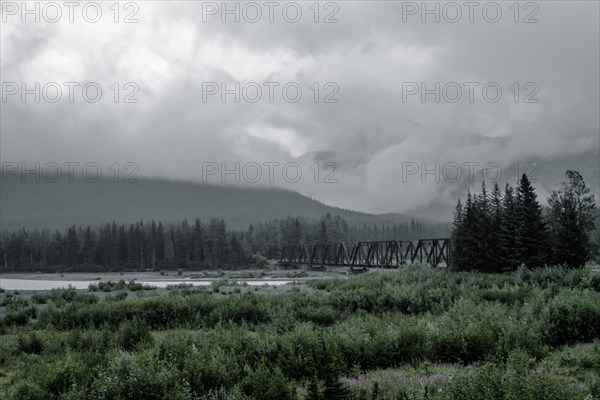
{"x":63,"y":204}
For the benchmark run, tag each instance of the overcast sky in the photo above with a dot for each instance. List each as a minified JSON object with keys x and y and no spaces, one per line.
{"x":374,"y":132}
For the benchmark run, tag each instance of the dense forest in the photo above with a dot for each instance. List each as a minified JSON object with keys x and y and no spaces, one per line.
{"x":157,"y":245}
{"x":496,"y":232}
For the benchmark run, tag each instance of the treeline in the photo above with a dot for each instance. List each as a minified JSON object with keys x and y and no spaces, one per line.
{"x":495,"y":232}
{"x":205,"y":245}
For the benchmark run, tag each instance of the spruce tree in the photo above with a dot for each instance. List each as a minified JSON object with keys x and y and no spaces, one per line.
{"x":532,"y":237}
{"x":496,"y":214}
{"x":323,"y":234}
{"x":72,"y":240}
{"x":471,"y":244}
{"x":456,"y":243}
{"x":314,"y":393}
{"x":482,"y":240}
{"x":87,"y":248}
{"x":335,"y":389}
{"x":509,"y":227}
{"x":571,"y":219}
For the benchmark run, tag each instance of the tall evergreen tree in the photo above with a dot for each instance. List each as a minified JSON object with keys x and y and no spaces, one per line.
{"x":314,"y":392}
{"x":471,"y":250}
{"x":72,"y":247}
{"x":571,"y":221}
{"x":457,"y":238}
{"x":87,"y":248}
{"x":509,"y":230}
{"x":494,"y":236}
{"x":169,"y":247}
{"x":199,"y":238}
{"x":152,"y":239}
{"x":323,"y":234}
{"x":483,"y":240}
{"x":160,"y":242}
{"x":532,"y":237}
{"x":122,"y":247}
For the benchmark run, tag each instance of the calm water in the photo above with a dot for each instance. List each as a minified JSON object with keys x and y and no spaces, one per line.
{"x":39,"y":284}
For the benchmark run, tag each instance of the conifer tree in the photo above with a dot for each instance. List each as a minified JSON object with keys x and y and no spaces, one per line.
{"x":494,"y":237}
{"x":314,"y":393}
{"x":87,"y":248}
{"x":483,"y":242}
{"x":335,"y":389}
{"x":532,"y":237}
{"x":571,"y":220}
{"x":457,"y":238}
{"x":72,"y":247}
{"x":509,"y":227}
{"x":323,"y":234}
{"x":471,"y":244}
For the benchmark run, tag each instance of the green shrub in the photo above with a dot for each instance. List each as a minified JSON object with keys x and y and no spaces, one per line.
{"x":60,"y":376}
{"x":117,"y":297}
{"x":571,"y":316}
{"x":85,"y":298}
{"x":30,"y":343}
{"x":27,"y":391}
{"x":132,"y":333}
{"x":38,"y":298}
{"x":90,"y":340}
{"x":217,"y":284}
{"x":224,"y":394}
{"x":19,"y":317}
{"x":267,"y":384}
{"x":133,"y":378}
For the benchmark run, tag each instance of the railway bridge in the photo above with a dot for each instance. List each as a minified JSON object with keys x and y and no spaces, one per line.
{"x":381,"y":254}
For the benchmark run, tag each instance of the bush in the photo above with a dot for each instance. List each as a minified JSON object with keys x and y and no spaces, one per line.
{"x":27,"y":391}
{"x":19,"y":317}
{"x":224,"y":394}
{"x":133,"y":378}
{"x":117,"y":297}
{"x":572,"y":316}
{"x":132,"y":333}
{"x":506,"y":383}
{"x":30,"y":343}
{"x":38,"y":298}
{"x":217,"y":284}
{"x":267,"y":384}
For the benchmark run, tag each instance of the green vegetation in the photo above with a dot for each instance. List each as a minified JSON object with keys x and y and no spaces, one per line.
{"x":414,"y":333}
{"x":120,"y":285}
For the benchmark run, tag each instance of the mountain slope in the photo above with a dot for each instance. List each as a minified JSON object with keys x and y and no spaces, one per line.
{"x":61,"y":204}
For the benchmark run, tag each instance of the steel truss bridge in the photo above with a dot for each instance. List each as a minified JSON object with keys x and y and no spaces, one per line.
{"x":381,"y":254}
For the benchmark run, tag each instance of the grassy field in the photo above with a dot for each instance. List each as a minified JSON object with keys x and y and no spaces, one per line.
{"x":414,"y":333}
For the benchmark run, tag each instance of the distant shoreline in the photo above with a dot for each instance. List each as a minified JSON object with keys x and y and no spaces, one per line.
{"x":192,"y":276}
{"x":30,"y":282}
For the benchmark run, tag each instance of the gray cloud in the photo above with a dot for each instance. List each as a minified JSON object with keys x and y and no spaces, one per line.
{"x":370,"y":133}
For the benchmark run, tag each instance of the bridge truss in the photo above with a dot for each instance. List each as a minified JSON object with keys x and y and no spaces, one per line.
{"x":383,"y":254}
